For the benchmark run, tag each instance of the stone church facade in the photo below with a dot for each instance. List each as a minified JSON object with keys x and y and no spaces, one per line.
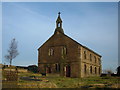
{"x":65,"y":56}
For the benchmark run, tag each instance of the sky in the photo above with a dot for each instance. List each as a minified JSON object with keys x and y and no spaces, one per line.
{"x":92,"y":24}
{"x":0,"y":32}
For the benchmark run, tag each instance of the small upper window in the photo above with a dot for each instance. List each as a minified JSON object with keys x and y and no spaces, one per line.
{"x":90,"y":57}
{"x":95,"y":58}
{"x":84,"y":54}
{"x":50,"y":52}
{"x":64,"y":51}
{"x":79,"y":52}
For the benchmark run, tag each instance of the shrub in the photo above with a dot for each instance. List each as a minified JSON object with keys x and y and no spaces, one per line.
{"x":33,"y":68}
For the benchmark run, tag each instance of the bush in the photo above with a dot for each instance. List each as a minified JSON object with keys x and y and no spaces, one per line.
{"x":33,"y":68}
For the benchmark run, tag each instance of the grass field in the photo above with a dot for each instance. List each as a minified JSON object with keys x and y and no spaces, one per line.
{"x":32,"y":80}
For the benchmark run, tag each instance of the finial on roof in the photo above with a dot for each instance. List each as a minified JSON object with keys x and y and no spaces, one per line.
{"x":59,"y":13}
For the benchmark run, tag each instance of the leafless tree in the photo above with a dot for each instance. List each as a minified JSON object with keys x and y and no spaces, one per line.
{"x":12,"y":51}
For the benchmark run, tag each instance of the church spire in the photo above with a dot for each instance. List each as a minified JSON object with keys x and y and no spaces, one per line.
{"x":59,"y":24}
{"x":59,"y":21}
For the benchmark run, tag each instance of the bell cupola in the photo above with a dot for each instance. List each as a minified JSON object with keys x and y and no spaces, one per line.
{"x":59,"y":24}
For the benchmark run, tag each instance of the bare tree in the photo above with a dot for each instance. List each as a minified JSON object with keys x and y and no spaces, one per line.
{"x":12,"y":51}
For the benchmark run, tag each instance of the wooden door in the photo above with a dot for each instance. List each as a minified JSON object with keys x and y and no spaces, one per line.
{"x":68,"y":71}
{"x":48,"y":70}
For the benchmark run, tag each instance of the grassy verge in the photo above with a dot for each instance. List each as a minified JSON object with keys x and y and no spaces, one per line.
{"x":55,"y":81}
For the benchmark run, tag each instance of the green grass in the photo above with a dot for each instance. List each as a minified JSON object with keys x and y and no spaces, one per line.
{"x":78,"y":82}
{"x":56,"y":81}
{"x":65,"y":82}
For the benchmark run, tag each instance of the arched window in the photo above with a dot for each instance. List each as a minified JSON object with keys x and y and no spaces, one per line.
{"x":90,"y":69}
{"x":64,"y":51}
{"x":85,"y":69}
{"x":95,"y":58}
{"x":95,"y":70}
{"x":58,"y":24}
{"x":50,"y":52}
{"x":84,"y":54}
{"x":79,"y":52}
{"x":90,"y":57}
{"x":57,"y":67}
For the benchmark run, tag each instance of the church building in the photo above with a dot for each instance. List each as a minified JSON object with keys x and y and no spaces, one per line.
{"x":62,"y":55}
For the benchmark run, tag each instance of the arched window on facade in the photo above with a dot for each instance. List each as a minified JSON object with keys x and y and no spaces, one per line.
{"x":85,"y":69}
{"x":95,"y":70}
{"x":50,"y":52}
{"x":90,"y":69}
{"x":84,"y":54}
{"x":57,"y":67}
{"x":79,"y":52}
{"x":64,"y":50}
{"x":95,"y":58}
{"x":90,"y":57}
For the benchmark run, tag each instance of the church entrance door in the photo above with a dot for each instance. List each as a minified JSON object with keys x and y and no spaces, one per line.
{"x":68,"y":71}
{"x":48,"y":70}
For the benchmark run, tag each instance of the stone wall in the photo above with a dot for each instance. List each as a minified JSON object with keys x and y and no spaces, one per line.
{"x":56,"y":43}
{"x":93,"y":61}
{"x":61,"y":49}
